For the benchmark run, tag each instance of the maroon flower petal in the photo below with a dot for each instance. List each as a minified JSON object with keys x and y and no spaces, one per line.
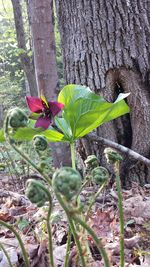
{"x":43,"y":122}
{"x":55,"y":107}
{"x":34,"y":104}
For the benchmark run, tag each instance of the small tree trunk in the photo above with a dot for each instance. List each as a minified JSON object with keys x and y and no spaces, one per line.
{"x":42,"y":27}
{"x":26,"y":61}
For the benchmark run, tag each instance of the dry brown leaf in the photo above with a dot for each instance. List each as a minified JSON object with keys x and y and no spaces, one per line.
{"x":102,"y":223}
{"x":95,"y":264}
{"x":5,"y":216}
{"x":137,"y":207}
{"x":132,"y":242}
{"x":59,"y":254}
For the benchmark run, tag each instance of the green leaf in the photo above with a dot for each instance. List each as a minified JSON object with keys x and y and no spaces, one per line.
{"x":54,"y":136}
{"x":84,"y":111}
{"x":62,"y":124}
{"x":71,"y":92}
{"x":22,"y":224}
{"x":26,"y":134}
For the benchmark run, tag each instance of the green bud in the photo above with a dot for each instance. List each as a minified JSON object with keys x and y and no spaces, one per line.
{"x":35,"y":193}
{"x":112,"y":155}
{"x":17,"y":118}
{"x":40,"y":142}
{"x":67,"y":182}
{"x":100,"y":175}
{"x":91,"y":162}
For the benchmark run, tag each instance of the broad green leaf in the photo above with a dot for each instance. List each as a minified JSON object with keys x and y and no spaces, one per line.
{"x":54,"y":136}
{"x":26,"y":134}
{"x":90,"y":120}
{"x":84,"y":111}
{"x":71,"y":92}
{"x":62,"y":124}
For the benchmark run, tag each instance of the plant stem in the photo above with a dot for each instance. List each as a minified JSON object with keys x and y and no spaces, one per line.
{"x":83,"y":185}
{"x":24,"y":253}
{"x":120,"y":214}
{"x":6,"y":254}
{"x":78,"y":203}
{"x":95,"y":238}
{"x":24,"y":156}
{"x":93,"y":200}
{"x":72,"y":227}
{"x":68,"y":248}
{"x":72,"y":149}
{"x":50,"y":241}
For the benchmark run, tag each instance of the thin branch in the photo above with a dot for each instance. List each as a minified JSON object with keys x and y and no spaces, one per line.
{"x":122,"y":149}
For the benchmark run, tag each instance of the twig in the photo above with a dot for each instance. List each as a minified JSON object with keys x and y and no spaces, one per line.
{"x":122,"y":149}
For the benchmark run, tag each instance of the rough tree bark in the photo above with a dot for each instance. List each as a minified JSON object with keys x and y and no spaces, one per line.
{"x":26,"y":61}
{"x":106,"y":45}
{"x":42,"y":28}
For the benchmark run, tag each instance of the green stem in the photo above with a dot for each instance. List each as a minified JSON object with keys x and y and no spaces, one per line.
{"x":66,"y":263}
{"x":120,"y":214}
{"x":83,"y":185}
{"x":72,"y":227}
{"x":93,"y":200}
{"x":69,"y":230}
{"x":72,"y":149}
{"x":95,"y":238}
{"x":50,"y":241}
{"x":78,"y":201}
{"x":24,"y":156}
{"x":24,"y":253}
{"x":6,"y":254}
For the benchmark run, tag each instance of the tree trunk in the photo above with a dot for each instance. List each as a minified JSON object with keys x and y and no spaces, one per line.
{"x":42,"y":27}
{"x":106,"y":45}
{"x":26,"y":61}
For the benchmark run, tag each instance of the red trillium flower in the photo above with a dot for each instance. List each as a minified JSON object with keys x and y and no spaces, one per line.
{"x":46,"y":110}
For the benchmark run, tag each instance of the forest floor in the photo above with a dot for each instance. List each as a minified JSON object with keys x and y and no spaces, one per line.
{"x":29,"y":221}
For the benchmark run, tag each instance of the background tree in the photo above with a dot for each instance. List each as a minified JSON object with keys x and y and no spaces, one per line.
{"x":12,"y":82}
{"x":42,"y":28}
{"x":106,"y":45}
{"x":24,"y":53}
